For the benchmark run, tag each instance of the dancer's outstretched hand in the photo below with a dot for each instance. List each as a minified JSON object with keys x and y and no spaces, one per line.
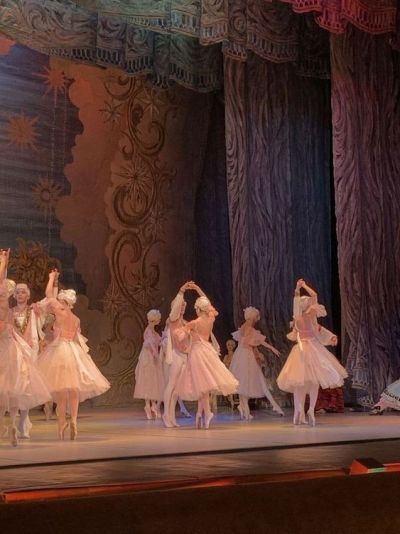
{"x":275,"y":351}
{"x":54,"y":274}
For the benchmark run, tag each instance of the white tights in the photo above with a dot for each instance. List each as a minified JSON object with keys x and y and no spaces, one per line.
{"x":299,"y":395}
{"x":70,"y":399}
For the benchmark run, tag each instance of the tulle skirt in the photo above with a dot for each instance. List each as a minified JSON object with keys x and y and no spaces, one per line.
{"x":66,"y":366}
{"x":313,"y":366}
{"x":21,"y":383}
{"x":204,"y":373}
{"x":391,"y":395}
{"x":245,"y":368}
{"x":149,"y":377}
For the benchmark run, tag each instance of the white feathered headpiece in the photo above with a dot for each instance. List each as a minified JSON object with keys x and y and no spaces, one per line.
{"x":10,"y":287}
{"x":203,"y":304}
{"x":153,"y":316}
{"x":251,"y":313}
{"x":68,"y":296}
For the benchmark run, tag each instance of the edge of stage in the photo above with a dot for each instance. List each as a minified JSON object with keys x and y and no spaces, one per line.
{"x":123,"y":433}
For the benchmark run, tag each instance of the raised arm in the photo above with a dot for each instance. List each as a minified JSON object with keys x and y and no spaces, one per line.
{"x":271,"y":348}
{"x":52,"y":283}
{"x":313,"y":294}
{"x":195,"y":287}
{"x":4,"y":257}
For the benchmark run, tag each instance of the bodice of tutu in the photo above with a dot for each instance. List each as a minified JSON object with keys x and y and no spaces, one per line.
{"x":249,"y":337}
{"x":152,"y":340}
{"x":179,"y":335}
{"x":307,"y":326}
{"x":66,"y":326}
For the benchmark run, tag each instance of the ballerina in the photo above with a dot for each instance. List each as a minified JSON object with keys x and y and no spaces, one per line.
{"x":21,"y":384}
{"x":28,"y":321}
{"x":309,"y":364}
{"x":246,"y":362}
{"x":149,"y":379}
{"x":175,"y":347}
{"x":66,"y":365}
{"x":204,"y":373}
{"x":390,"y":398}
{"x":230,"y":347}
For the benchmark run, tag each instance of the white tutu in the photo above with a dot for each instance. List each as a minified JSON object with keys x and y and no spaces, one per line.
{"x":244,"y":365}
{"x":66,"y":365}
{"x":149,"y":377}
{"x":314,"y":365}
{"x":21,"y":384}
{"x":204,"y":373}
{"x":245,"y":368}
{"x":391,"y":395}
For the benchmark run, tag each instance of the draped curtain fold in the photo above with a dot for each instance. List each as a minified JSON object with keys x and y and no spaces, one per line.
{"x":366,"y":157}
{"x":278,"y":171}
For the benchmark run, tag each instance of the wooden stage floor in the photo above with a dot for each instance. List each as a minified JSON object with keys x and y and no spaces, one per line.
{"x":119,"y":445}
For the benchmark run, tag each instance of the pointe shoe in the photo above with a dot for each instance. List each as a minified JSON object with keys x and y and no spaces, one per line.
{"x":177,"y":425}
{"x":207,"y":420}
{"x":297,"y":418}
{"x":311,"y":418}
{"x":61,"y":429}
{"x":167,"y":422}
{"x":14,"y":436}
{"x":199,"y":421}
{"x":185,"y":413}
{"x":73,"y":430}
{"x":24,"y":430}
{"x":148,"y":413}
{"x":240,"y":410}
{"x":278,"y":410}
{"x":156,"y":412}
{"x":377,"y":410}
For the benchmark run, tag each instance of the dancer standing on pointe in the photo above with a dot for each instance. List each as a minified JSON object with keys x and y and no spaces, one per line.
{"x":69,"y":371}
{"x":245,"y":367}
{"x":204,"y":373}
{"x":28,"y":320}
{"x":176,"y":347}
{"x":309,"y":364}
{"x":21,"y":384}
{"x":149,"y":377}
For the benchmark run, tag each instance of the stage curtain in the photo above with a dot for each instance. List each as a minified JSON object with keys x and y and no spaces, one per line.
{"x":372,"y":16}
{"x":366,"y":152}
{"x":278,"y":169}
{"x":165,"y":38}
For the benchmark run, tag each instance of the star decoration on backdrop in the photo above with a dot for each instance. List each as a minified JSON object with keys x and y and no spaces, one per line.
{"x":111,"y":112}
{"x":21,"y":131}
{"x":55,"y":81}
{"x":46,"y":194}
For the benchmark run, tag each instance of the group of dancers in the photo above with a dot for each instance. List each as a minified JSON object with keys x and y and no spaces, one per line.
{"x":38,"y":367}
{"x":184,"y":363}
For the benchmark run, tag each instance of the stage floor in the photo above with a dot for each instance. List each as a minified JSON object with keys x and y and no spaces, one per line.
{"x":107,"y":434}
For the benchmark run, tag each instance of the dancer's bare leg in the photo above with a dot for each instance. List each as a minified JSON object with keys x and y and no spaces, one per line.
{"x":183,"y":408}
{"x":299,"y":395}
{"x":24,"y":425}
{"x":313,"y":393}
{"x":275,"y":405}
{"x":243,"y":406}
{"x":155,"y":408}
{"x":170,"y":397}
{"x":13,"y":426}
{"x":208,"y":415}
{"x":147,"y":408}
{"x":3,"y":427}
{"x":62,"y":399}
{"x":73,"y":410}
